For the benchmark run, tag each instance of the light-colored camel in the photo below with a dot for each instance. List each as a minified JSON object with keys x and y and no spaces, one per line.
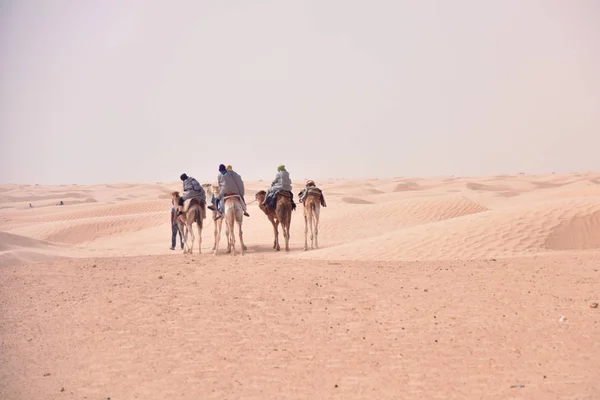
{"x":196,"y":212}
{"x":312,"y":211}
{"x":234,"y":212}
{"x":213,"y":190}
{"x":282,"y":214}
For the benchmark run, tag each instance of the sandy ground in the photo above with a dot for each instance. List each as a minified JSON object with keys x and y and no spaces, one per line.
{"x":423,"y":288}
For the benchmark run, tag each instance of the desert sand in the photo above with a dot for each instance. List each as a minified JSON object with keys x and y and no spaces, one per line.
{"x":449,"y":287}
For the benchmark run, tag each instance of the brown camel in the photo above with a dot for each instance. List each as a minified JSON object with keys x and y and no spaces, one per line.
{"x":196,"y":212}
{"x":282,"y":214}
{"x":312,"y":200}
{"x":270,"y":213}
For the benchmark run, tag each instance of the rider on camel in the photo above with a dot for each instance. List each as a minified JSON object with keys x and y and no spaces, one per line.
{"x":282,"y":182}
{"x":230,"y":183}
{"x":191,"y":189}
{"x":230,"y":170}
{"x":310,"y":185}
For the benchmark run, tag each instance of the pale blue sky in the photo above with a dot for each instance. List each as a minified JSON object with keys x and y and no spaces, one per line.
{"x":95,"y":91}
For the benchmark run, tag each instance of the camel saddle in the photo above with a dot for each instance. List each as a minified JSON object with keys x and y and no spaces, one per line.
{"x":285,"y":193}
{"x":314,"y":191}
{"x":194,"y":200}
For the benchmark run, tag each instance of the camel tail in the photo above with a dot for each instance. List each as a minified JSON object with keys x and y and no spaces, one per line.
{"x":284,"y":212}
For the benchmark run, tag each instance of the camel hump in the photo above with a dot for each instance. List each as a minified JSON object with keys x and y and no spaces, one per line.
{"x":187,"y":204}
{"x":314,"y":192}
{"x":194,"y":200}
{"x":230,"y":196}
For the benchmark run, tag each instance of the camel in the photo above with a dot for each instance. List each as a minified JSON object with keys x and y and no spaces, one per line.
{"x":196,"y":212}
{"x":234,"y":212}
{"x":214,"y":192}
{"x":270,"y":213}
{"x":282,"y":214}
{"x":312,"y":210}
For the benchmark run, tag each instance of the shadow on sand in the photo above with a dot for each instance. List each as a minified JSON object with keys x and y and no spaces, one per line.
{"x":266,"y":249}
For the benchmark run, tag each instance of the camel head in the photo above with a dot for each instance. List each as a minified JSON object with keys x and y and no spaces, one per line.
{"x":260,"y":196}
{"x":215,"y":189}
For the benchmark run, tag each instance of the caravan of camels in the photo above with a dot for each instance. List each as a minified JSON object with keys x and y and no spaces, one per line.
{"x":228,"y":204}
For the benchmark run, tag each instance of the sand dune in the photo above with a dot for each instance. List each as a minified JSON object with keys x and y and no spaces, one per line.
{"x":481,"y":186}
{"x":33,"y":198}
{"x":19,"y":250}
{"x":88,"y":230}
{"x":508,"y":193}
{"x":9,"y":241}
{"x":512,"y":231}
{"x":572,"y":190}
{"x":355,"y":200}
{"x":406,"y":186}
{"x":578,"y":231}
{"x":370,"y":220}
{"x":395,"y":219}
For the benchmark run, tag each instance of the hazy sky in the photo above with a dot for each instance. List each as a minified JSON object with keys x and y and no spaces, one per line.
{"x":95,"y":91}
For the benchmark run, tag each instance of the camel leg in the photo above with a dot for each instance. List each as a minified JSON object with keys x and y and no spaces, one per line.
{"x":215,"y":235}
{"x":217,"y":239}
{"x":317,"y":212}
{"x":287,"y":229}
{"x":242,"y":244}
{"x":232,"y":236}
{"x":241,"y":234}
{"x":275,"y":234}
{"x":286,"y":236}
{"x":227,"y":235}
{"x":182,"y":232}
{"x":190,"y":229}
{"x":199,"y":239}
{"x":228,"y":238}
{"x":218,"y":228}
{"x":183,"y":229}
{"x":305,"y":231}
{"x":228,"y":221}
{"x":186,"y":242}
{"x":312,"y":234}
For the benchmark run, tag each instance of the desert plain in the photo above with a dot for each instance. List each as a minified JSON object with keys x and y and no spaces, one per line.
{"x":422,"y":288}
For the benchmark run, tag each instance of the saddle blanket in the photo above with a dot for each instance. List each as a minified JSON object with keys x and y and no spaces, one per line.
{"x":228,"y":196}
{"x":271,"y":199}
{"x":187,"y":203}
